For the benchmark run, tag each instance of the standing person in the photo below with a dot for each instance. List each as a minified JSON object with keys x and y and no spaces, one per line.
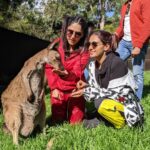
{"x":133,"y":33}
{"x":74,"y":58}
{"x":110,"y":84}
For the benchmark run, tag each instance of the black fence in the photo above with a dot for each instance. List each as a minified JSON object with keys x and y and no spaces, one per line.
{"x":15,"y":49}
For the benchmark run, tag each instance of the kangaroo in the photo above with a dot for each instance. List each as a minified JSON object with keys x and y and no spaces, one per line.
{"x":23,"y":99}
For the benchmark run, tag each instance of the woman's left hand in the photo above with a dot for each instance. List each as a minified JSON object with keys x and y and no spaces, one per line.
{"x":77,"y":93}
{"x":81,"y":84}
{"x":56,"y":94}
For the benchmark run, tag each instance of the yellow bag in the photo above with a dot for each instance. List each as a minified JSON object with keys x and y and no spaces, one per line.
{"x":111,"y":111}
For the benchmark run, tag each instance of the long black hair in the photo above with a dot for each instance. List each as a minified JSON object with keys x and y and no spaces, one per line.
{"x":68,"y":20}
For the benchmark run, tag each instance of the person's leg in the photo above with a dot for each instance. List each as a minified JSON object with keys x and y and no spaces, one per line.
{"x":112,"y":111}
{"x":138,"y":70}
{"x":93,"y":119}
{"x":124,"y":49}
{"x":90,"y":110}
{"x":59,"y":110}
{"x":76,"y":109}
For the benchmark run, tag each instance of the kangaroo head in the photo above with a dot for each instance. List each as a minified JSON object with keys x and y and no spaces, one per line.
{"x":54,"y":59}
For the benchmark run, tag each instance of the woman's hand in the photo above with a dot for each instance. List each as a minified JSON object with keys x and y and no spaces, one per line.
{"x":56,"y":94}
{"x":77,"y":93}
{"x":136,"y":51}
{"x":81,"y":84}
{"x":61,"y":72}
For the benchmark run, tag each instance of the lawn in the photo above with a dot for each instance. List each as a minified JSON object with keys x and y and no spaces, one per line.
{"x":76,"y":137}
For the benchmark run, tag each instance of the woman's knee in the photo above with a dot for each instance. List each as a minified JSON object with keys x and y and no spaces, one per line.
{"x":112,"y":111}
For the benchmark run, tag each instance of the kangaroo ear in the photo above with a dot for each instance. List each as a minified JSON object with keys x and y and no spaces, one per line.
{"x":38,"y":65}
{"x":54,"y":44}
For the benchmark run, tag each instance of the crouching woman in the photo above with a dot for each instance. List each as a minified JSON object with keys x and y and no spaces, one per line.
{"x":110,"y":84}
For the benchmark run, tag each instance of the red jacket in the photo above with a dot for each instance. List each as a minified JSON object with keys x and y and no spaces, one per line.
{"x":75,"y":66}
{"x":139,"y":22}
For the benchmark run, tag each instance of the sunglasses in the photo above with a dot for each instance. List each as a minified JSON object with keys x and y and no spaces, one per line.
{"x":71,"y":32}
{"x":93,"y":44}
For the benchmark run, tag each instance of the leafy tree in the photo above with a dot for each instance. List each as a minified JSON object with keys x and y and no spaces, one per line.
{"x":15,"y":3}
{"x":22,"y":16}
{"x":93,"y":10}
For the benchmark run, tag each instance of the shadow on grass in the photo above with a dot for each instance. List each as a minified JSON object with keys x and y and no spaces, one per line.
{"x":146,"y":90}
{"x":52,"y":123}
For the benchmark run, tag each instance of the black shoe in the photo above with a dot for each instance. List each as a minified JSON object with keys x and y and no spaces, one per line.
{"x":91,"y":123}
{"x":91,"y":115}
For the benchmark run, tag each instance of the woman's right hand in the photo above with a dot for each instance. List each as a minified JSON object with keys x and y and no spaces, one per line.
{"x":77,"y":93}
{"x":81,"y":84}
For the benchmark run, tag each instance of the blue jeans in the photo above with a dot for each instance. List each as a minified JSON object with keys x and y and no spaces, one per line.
{"x":124,"y":49}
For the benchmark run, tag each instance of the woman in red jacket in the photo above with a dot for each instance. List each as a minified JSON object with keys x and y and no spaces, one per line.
{"x":133,"y":32}
{"x":74,"y":59}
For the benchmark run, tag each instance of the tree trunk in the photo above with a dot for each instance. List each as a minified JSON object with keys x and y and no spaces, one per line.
{"x":102,"y":22}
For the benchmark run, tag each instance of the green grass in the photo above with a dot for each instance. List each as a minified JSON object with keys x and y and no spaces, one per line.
{"x":67,"y":137}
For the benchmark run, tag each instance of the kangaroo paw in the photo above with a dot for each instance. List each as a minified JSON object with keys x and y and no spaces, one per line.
{"x":5,"y":129}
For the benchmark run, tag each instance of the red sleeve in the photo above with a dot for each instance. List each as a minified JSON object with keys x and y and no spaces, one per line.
{"x":76,"y":73}
{"x":119,"y":30}
{"x":145,"y":29}
{"x":75,"y":70}
{"x":56,"y":82}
